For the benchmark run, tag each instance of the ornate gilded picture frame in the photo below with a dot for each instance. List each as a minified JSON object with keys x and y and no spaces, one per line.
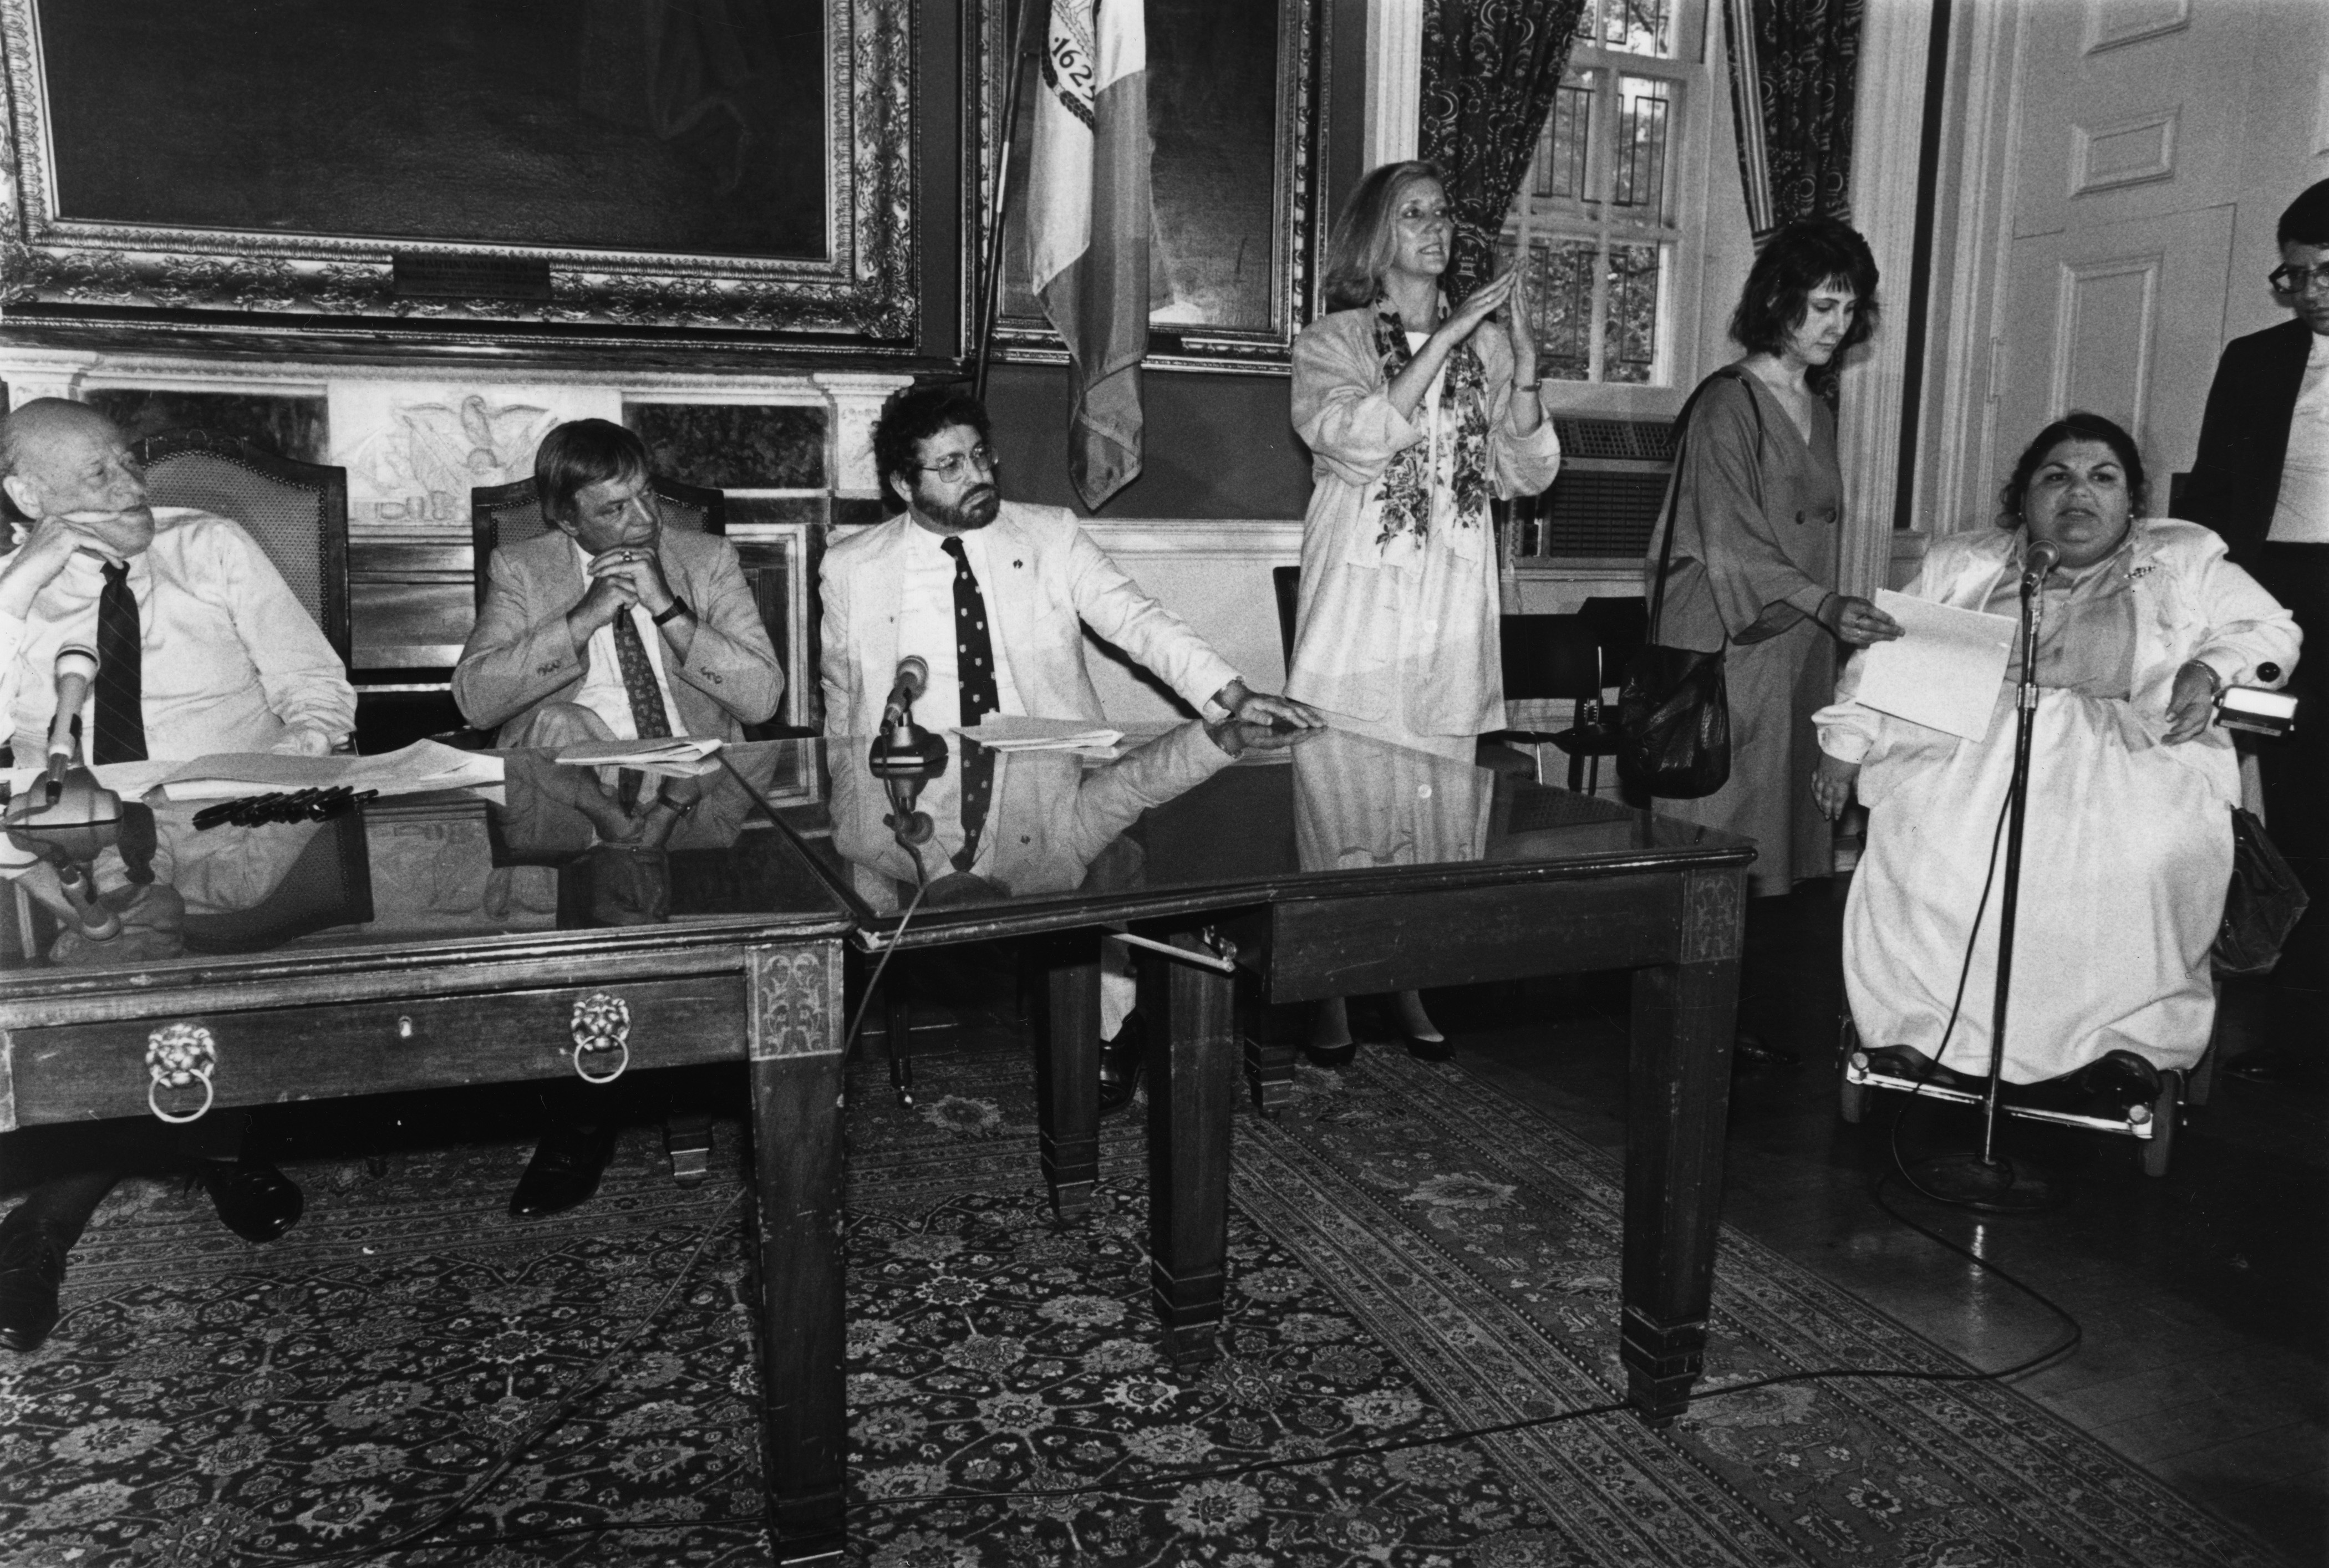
{"x":611,"y":168}
{"x":1238,"y":114}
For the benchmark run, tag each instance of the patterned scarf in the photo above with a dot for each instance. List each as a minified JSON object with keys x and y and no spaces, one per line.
{"x":1406,"y":479}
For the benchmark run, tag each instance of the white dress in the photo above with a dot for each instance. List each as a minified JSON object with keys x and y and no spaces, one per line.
{"x":2129,"y":846}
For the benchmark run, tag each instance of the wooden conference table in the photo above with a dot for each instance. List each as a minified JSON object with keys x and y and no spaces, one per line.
{"x":431,"y":941}
{"x":1331,"y":865}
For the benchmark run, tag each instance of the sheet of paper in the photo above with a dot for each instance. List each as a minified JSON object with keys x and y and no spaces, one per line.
{"x":421,"y":767}
{"x":669,"y":749}
{"x":1944,"y":671}
{"x":1015,"y":734}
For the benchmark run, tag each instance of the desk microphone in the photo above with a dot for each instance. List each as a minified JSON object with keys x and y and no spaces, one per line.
{"x":76,"y":668}
{"x":2040,"y":558}
{"x":913,"y":678}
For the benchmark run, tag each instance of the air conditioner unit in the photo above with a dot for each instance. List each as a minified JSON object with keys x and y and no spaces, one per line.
{"x":1607,"y":499}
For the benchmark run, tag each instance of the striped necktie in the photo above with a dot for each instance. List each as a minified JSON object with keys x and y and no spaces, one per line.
{"x":119,"y":690}
{"x":647,"y":715}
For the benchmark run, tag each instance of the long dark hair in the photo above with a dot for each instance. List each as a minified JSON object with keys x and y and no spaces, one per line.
{"x":1797,"y":260}
{"x":1365,"y":237}
{"x":2076,"y":425}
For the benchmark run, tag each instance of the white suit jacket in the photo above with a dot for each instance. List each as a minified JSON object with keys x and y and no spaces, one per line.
{"x":1047,"y":581}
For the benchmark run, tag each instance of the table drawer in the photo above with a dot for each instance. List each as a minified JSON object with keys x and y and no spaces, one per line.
{"x":81,"y":1071}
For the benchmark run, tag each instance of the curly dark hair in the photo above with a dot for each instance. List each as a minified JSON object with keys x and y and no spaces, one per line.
{"x":913,"y":417}
{"x":2075,"y":426}
{"x":1797,"y":260}
{"x":580,"y":453}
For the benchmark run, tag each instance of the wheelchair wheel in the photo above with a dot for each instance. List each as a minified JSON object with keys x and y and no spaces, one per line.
{"x":2166,"y":1112}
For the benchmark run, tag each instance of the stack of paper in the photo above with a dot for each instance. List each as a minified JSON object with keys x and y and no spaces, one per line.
{"x":419,"y":768}
{"x":999,"y":733}
{"x":1943,"y":670}
{"x":662,"y":751}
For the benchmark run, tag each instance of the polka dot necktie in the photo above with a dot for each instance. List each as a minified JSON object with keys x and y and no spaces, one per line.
{"x":974,"y":645}
{"x":973,"y":664}
{"x":119,"y":688}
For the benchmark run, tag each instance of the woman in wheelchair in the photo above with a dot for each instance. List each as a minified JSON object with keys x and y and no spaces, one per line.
{"x":2128,"y":848}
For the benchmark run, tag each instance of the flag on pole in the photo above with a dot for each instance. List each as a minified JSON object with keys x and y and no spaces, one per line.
{"x":1088,"y":211}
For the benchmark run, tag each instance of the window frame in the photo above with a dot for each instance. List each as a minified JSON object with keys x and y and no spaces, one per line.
{"x":1696,"y":94}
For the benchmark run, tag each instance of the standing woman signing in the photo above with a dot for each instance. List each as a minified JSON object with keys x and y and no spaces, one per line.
{"x":1757,"y":512}
{"x":1415,"y":414}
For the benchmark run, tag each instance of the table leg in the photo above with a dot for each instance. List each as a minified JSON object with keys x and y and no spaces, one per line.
{"x":1066,"y":1068}
{"x":1678,"y":1099}
{"x":1191,"y":1092}
{"x":1268,"y":1058}
{"x":794,"y":1022}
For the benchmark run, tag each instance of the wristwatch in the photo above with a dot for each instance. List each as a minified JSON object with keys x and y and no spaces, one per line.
{"x":678,"y":608}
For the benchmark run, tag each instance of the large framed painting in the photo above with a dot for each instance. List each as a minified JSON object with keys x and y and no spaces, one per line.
{"x":725,"y":168}
{"x":1237,"y":115}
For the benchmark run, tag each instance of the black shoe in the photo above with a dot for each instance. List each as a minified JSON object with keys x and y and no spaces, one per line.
{"x":564,"y":1170}
{"x":1332,"y":1057}
{"x":1909,"y":1062}
{"x":1753,"y":1051}
{"x":32,"y":1267}
{"x":1427,"y":1049}
{"x":1120,"y":1063}
{"x":255,"y":1201}
{"x":2118,"y":1080}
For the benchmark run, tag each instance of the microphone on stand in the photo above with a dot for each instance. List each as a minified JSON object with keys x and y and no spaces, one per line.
{"x":2043,"y":556}
{"x":904,"y":750}
{"x":75,"y":672}
{"x":913,"y":678}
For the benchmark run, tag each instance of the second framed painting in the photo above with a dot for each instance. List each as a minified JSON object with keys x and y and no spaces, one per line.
{"x":1236,"y":114}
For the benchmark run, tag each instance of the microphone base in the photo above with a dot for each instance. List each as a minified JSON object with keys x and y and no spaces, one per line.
{"x":2005,"y":1184}
{"x":909,"y":751}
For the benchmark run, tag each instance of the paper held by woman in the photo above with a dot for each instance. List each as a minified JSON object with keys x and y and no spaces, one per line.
{"x":1942,"y":671}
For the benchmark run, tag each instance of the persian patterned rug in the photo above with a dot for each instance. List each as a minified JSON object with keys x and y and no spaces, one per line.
{"x":1411,"y":1252}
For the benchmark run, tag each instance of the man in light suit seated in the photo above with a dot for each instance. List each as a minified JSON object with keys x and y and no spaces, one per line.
{"x":611,"y":627}
{"x":200,"y":648}
{"x":608,"y":628}
{"x":995,"y":596}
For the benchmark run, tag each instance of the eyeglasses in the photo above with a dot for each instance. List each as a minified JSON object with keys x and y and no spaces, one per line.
{"x":2298,"y":279}
{"x":950,"y":467}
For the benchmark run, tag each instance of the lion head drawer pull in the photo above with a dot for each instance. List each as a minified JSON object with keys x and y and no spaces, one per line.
{"x":177,"y":1054}
{"x":602,"y":1028}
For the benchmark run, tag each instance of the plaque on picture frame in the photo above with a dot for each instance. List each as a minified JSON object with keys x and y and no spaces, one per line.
{"x":1237,"y":115}
{"x":736,"y":170}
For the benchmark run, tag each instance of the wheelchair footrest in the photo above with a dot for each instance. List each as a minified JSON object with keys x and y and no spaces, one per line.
{"x":2136,"y":1123}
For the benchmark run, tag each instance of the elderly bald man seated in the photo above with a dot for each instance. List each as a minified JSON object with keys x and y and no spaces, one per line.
{"x":201,"y":648}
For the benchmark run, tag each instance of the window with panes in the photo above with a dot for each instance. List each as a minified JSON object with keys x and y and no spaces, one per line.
{"x":1602,"y":220}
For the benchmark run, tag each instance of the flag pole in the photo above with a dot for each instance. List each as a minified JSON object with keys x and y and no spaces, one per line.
{"x":990,"y":285}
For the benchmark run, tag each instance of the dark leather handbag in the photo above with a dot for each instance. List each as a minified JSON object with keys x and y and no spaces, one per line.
{"x":1674,"y":713}
{"x":2262,"y":907}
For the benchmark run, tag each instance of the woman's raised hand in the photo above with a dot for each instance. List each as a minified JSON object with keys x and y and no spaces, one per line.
{"x":1517,"y":328}
{"x":1478,"y":306}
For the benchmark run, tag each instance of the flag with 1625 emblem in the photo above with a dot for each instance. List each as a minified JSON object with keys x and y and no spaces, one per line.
{"x":1087,"y":211}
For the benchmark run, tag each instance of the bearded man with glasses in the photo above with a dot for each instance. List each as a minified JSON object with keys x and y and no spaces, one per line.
{"x":2262,"y":481}
{"x":995,"y":596}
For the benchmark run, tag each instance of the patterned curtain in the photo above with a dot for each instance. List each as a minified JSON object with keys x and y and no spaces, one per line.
{"x":1793,"y":65}
{"x":1490,"y":68}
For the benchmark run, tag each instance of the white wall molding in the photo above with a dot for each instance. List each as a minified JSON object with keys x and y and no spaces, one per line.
{"x":1969,"y":306}
{"x":1394,"y":99}
{"x":1886,"y":144}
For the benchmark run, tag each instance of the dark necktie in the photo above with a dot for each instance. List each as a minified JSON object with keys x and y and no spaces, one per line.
{"x":974,"y":649}
{"x":977,"y":789}
{"x":119,"y":688}
{"x":648,"y":716}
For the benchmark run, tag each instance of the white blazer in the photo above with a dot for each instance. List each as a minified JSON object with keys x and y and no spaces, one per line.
{"x":1046,"y":582}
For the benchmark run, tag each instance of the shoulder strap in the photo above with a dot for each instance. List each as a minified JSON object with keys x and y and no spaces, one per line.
{"x":1673,"y":490}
